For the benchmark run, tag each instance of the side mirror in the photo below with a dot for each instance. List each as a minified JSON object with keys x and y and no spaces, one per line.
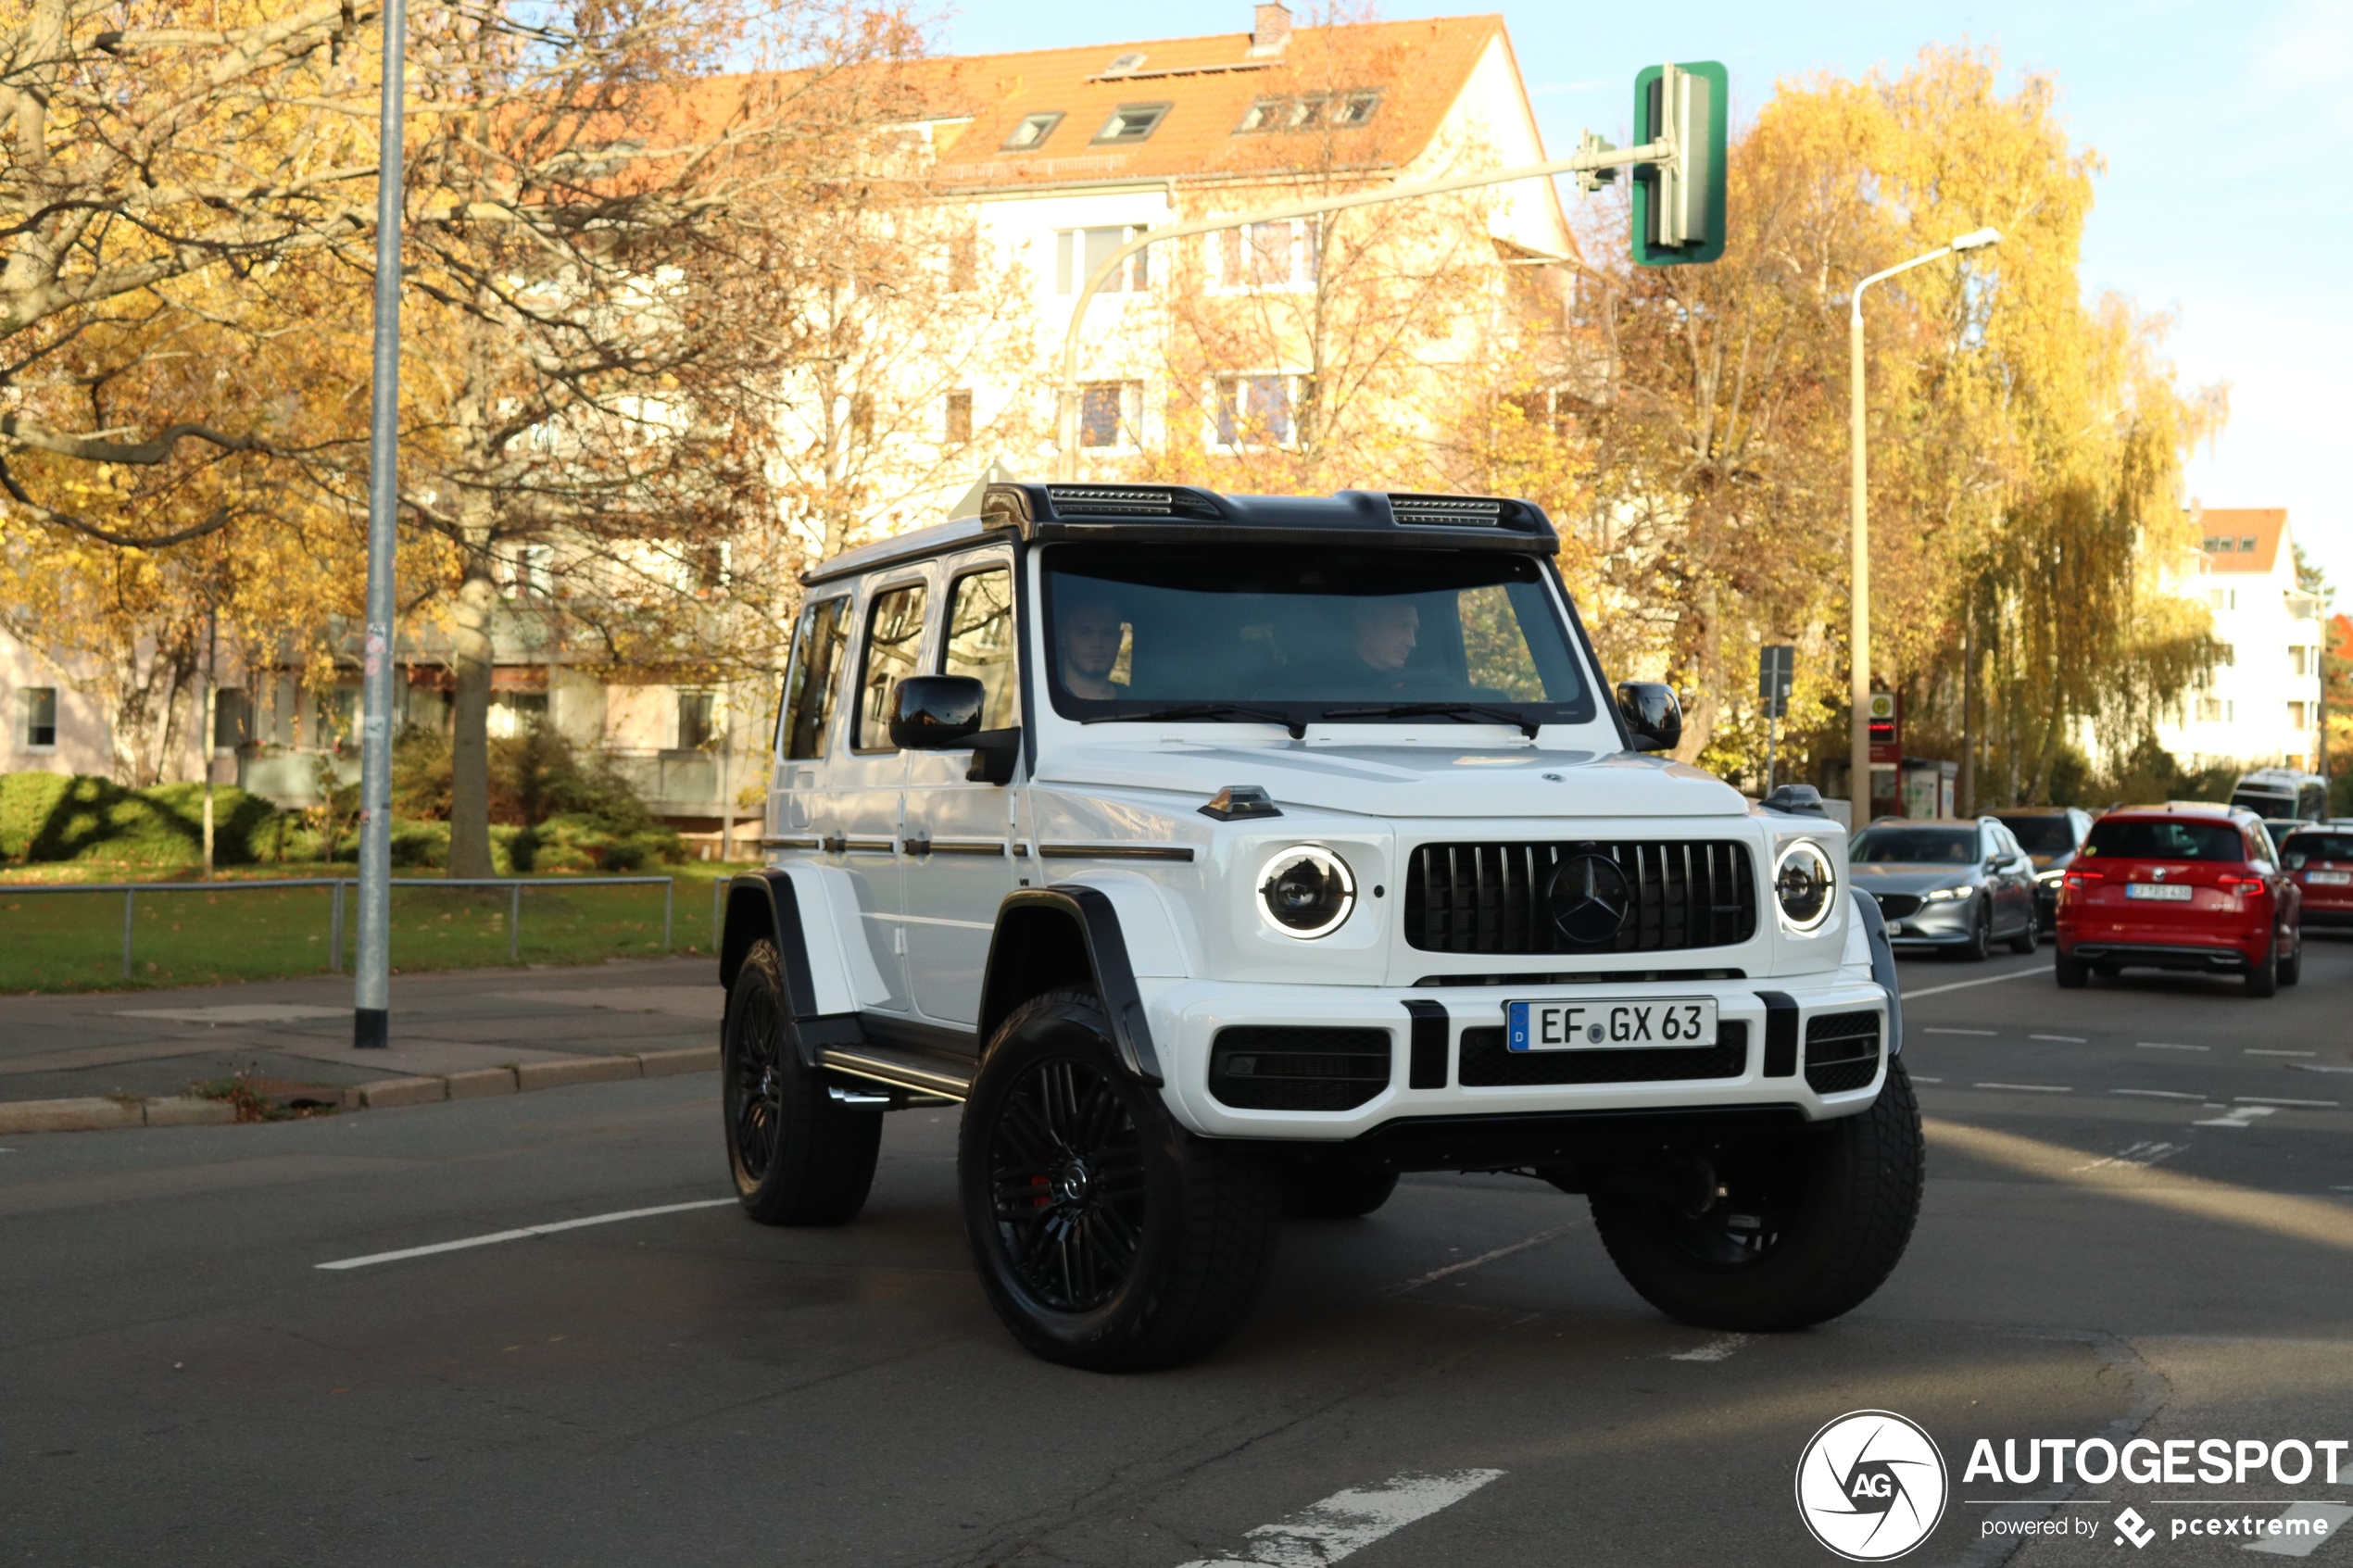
{"x":1654,"y":719}
{"x":936,"y":712}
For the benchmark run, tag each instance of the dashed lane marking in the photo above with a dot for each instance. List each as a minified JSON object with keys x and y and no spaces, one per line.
{"x":1419,"y":1280}
{"x":2274,"y":1099}
{"x":1986,"y":1031}
{"x":2063,"y":1039}
{"x":1349,"y":1520}
{"x":2257,"y":1050}
{"x":2158,"y":1094}
{"x":1964,"y":984}
{"x":1920,"y":1078}
{"x":1716,"y":1350}
{"x":2316,"y":1067}
{"x":2162,"y":1046}
{"x":494,"y":1237}
{"x":2032,"y":1089}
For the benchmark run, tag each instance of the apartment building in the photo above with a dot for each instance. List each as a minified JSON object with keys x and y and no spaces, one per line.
{"x":2261,"y":704}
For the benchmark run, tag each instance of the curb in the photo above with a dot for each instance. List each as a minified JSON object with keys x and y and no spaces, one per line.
{"x":100,"y":1113}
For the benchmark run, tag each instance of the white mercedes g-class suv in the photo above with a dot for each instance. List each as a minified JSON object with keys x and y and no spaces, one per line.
{"x":1226,"y":854}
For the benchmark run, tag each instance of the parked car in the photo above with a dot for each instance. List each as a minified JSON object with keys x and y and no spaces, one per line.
{"x":2182,"y":887}
{"x":1949,"y":886}
{"x":1224,"y":852}
{"x":2051,"y":835}
{"x":2320,"y":862}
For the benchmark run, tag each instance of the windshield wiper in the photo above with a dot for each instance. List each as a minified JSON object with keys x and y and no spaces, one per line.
{"x":1297,"y":727}
{"x":1522,"y":723}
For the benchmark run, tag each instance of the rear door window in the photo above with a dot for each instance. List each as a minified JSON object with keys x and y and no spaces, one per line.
{"x":2158,"y":838}
{"x":816,"y":678}
{"x":894,"y":642}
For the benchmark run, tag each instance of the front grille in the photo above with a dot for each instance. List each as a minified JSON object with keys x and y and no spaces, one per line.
{"x":1487,"y":1062}
{"x":1257,"y":1067}
{"x":1898,"y":905}
{"x":1842,"y":1051}
{"x":1490,"y":897}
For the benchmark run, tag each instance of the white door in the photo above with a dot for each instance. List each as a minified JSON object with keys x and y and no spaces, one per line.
{"x":862,"y":835}
{"x":958,"y":833}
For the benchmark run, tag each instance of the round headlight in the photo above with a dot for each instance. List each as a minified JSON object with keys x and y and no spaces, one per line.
{"x":1804,"y":881}
{"x":1307,"y":892}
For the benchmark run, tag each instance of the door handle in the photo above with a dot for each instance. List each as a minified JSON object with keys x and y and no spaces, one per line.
{"x":915,"y":844}
{"x":835,"y":843}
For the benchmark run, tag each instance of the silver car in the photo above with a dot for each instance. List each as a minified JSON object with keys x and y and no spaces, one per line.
{"x":1959,"y":885}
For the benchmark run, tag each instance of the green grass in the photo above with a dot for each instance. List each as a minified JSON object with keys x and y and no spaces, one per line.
{"x":73,"y":942}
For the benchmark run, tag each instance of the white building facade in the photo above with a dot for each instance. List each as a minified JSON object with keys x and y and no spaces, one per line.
{"x":2261,"y":705}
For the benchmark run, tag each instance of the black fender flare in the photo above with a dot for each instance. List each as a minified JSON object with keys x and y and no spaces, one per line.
{"x":1017,"y":967}
{"x":1882,"y":966}
{"x":765,"y":904}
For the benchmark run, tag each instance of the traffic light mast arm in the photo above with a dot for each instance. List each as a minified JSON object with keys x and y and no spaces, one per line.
{"x":1589,"y":160}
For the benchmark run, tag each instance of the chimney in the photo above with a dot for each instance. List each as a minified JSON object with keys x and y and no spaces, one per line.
{"x":1271,"y":34}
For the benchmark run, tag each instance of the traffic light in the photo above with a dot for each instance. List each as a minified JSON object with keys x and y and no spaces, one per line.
{"x":1678,"y":210}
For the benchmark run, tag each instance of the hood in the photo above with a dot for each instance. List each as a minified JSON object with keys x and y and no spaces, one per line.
{"x":1899,"y":876}
{"x":1408,"y":780}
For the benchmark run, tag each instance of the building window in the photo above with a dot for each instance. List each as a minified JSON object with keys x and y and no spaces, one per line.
{"x":2300,"y":716}
{"x":1032,"y":131}
{"x":2300,"y":659}
{"x":1252,"y":411}
{"x":40,"y":718}
{"x":695,"y":728}
{"x":2209,"y":710}
{"x":1126,"y":64}
{"x":2246,"y":543}
{"x":963,"y":261}
{"x":232,"y":719}
{"x":1109,"y":412}
{"x":1340,"y":111}
{"x":516,"y":714}
{"x":2227,"y":655}
{"x":1132,"y":123}
{"x":531,"y":572}
{"x":1281,"y":255}
{"x":960,"y":418}
{"x":1077,"y":252}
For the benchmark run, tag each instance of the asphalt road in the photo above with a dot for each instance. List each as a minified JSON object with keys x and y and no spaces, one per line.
{"x":2139,"y":1221}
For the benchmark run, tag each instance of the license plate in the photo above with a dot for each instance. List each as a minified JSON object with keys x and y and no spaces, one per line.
{"x":2163,"y":892}
{"x":2329,"y":879}
{"x":1611,"y":1024}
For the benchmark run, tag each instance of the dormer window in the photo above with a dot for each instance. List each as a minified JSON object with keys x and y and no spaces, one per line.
{"x":1355,"y":108}
{"x":1031,"y":131}
{"x":1132,"y":123}
{"x":1124,"y":64}
{"x":1339,"y":111}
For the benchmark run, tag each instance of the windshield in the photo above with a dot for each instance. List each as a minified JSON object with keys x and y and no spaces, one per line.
{"x":1299,"y":635}
{"x":2156,"y":838}
{"x":2039,"y":835}
{"x":2300,"y":848}
{"x":1918,"y":846}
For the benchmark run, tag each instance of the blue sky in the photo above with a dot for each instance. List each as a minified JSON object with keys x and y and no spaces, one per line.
{"x":2228,"y":131}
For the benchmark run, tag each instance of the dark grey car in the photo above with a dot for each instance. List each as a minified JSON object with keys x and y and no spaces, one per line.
{"x":1959,"y":886}
{"x":2052,"y":836}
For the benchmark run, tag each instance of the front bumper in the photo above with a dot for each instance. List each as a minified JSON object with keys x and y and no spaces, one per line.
{"x":1773,"y":1071}
{"x":1949,"y":923}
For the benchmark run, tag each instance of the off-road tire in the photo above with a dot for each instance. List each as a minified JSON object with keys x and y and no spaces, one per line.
{"x":798,"y":1156}
{"x":2026,"y":942}
{"x":2263,"y":974}
{"x":1143,"y":1254}
{"x":1853,"y":1192}
{"x":2073,"y":973}
{"x":1322,"y":1191}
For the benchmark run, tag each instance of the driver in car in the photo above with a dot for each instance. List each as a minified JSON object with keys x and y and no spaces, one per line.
{"x":1088,"y":634}
{"x":1386,"y":631}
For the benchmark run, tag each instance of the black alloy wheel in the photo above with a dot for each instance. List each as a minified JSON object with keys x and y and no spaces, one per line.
{"x":798,"y":1155}
{"x":1066,"y":1183}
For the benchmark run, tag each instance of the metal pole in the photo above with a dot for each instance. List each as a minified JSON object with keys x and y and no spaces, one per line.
{"x":206,"y":695}
{"x":126,"y":932}
{"x":1066,"y":409}
{"x":669,"y":892}
{"x":1772,"y":732}
{"x":335,"y":932}
{"x":718,"y":899}
{"x":514,"y":924}
{"x":372,"y":994}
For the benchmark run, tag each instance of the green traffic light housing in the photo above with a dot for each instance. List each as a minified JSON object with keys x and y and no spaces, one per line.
{"x":1679,"y":206}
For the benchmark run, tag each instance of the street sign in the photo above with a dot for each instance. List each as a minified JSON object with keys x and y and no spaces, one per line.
{"x":1679,"y":206}
{"x":1887,"y":728}
{"x":1776,"y":674}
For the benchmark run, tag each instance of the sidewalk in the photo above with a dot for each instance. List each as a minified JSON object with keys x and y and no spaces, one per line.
{"x":156,"y":1043}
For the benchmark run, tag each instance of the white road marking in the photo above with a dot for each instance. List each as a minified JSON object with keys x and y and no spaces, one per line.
{"x":1420,"y":1280}
{"x":1964,"y":984}
{"x":2257,"y":1050}
{"x":2158,"y":1094}
{"x":2241,"y":1118}
{"x":2032,"y":1089}
{"x":2274,"y":1099}
{"x":2142,"y":1154}
{"x":1986,"y":1031}
{"x":524,"y":1233}
{"x":2316,"y":1067}
{"x":2063,"y":1039}
{"x":2329,"y":1516}
{"x":1716,"y":1350}
{"x":2161,"y":1045}
{"x":239,"y":1012}
{"x":1923,"y":1078}
{"x":1349,"y":1520}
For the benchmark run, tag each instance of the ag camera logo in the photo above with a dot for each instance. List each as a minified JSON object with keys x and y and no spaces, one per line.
{"x":1871,"y":1486}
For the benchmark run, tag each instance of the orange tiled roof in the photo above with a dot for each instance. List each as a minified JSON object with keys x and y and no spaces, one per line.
{"x":1418,"y":68}
{"x":2247,"y":539}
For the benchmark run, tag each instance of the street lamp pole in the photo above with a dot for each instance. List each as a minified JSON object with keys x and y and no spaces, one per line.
{"x":1858,"y":737}
{"x":1590,"y":162}
{"x":372,"y":991}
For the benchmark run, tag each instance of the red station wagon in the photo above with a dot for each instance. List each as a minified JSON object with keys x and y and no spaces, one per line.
{"x":2320,"y":862}
{"x":2190,"y":887}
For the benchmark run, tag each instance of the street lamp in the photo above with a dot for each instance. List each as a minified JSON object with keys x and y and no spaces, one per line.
{"x":1859,"y":548}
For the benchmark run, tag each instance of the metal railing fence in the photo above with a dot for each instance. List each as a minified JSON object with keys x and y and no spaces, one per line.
{"x":514,"y":884}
